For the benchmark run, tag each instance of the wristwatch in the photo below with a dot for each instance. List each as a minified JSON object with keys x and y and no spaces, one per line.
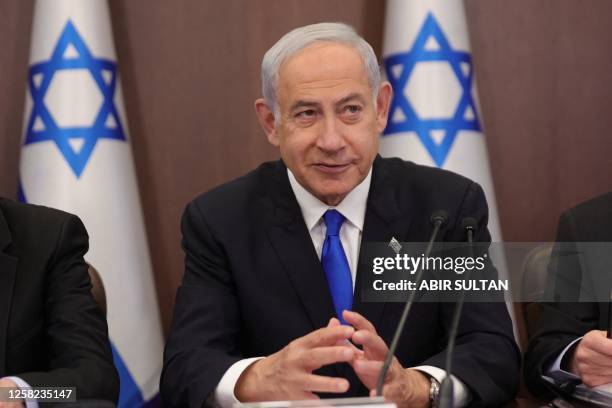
{"x":434,"y":392}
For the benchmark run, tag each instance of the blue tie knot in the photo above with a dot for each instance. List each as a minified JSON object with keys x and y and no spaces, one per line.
{"x":333,"y":221}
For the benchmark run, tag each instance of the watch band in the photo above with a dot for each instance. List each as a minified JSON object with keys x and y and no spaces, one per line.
{"x":434,"y":392}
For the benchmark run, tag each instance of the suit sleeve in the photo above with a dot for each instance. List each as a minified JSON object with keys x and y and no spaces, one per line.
{"x":563,"y":321}
{"x":486,"y":357}
{"x":203,"y":341}
{"x":75,"y":326}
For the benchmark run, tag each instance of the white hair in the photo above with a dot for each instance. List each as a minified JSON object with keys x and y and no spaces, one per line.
{"x":300,"y":38}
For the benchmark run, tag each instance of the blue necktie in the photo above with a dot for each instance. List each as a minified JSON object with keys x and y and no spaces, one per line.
{"x":335,"y":264}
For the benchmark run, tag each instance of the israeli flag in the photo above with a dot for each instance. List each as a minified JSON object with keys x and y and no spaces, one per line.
{"x":434,"y":117}
{"x":76,"y":156}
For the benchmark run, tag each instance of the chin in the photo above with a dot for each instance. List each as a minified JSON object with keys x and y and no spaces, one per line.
{"x":332,"y":193}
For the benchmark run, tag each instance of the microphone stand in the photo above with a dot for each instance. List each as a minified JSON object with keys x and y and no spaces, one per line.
{"x":438,"y":219}
{"x":446,"y":396}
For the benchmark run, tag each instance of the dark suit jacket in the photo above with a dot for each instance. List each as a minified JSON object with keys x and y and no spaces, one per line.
{"x":52,"y":332}
{"x":574,"y":268}
{"x":253,"y":282}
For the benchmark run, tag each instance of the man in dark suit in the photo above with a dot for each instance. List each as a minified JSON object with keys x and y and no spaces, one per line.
{"x":272,"y":258}
{"x":52,"y":332}
{"x":571,"y":342}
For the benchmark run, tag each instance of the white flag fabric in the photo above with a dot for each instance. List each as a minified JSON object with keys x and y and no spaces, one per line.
{"x":434,"y":118}
{"x":76,"y":156}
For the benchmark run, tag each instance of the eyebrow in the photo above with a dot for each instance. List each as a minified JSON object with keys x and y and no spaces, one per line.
{"x":304,"y":103}
{"x":350,"y":97}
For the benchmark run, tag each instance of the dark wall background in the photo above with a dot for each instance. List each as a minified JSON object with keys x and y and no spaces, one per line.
{"x":190,"y":73}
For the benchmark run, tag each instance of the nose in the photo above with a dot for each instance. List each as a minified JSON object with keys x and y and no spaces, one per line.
{"x":331,"y":139}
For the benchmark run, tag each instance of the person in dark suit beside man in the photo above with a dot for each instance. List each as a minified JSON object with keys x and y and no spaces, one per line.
{"x":52,"y":332}
{"x":571,"y":341}
{"x":272,"y":258}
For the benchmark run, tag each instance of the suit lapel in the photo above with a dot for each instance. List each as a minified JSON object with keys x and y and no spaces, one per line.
{"x":8,"y":270}
{"x":384,"y":220}
{"x":292,"y":243}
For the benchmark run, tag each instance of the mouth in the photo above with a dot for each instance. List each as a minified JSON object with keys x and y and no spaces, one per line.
{"x":331,"y":168}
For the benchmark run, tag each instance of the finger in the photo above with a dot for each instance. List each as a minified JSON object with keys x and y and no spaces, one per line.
{"x":597,"y":341}
{"x":368,"y":371}
{"x":594,"y":371}
{"x":333,"y":322}
{"x":590,"y":370}
{"x":304,"y":395}
{"x":358,"y":321}
{"x":593,"y":379}
{"x":372,"y":343}
{"x":595,"y":359}
{"x":326,"y":336}
{"x":370,"y":367}
{"x":359,"y":353}
{"x":590,"y":352}
{"x":320,"y":356}
{"x":319,"y":383}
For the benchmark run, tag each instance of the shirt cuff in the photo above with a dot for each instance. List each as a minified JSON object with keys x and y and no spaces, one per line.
{"x":461,"y":393}
{"x":23,"y":385}
{"x":224,"y":396}
{"x":555,"y":371}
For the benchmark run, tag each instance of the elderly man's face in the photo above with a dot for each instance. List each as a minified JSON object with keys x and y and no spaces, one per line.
{"x":329,"y":125}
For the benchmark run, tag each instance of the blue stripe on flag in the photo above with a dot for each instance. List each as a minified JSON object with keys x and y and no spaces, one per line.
{"x":129,"y":394}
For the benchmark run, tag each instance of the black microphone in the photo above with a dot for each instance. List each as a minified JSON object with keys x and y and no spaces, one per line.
{"x":438,"y":219}
{"x":446,"y":396}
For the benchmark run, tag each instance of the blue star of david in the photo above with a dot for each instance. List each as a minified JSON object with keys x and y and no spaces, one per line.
{"x":399,"y":67}
{"x":41,"y":124}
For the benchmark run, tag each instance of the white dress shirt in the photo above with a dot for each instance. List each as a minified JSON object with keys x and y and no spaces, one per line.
{"x":353,"y":208}
{"x":555,"y":371}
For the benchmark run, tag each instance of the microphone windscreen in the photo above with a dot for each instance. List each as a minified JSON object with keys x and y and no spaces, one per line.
{"x":439,"y":217}
{"x":469,"y":222}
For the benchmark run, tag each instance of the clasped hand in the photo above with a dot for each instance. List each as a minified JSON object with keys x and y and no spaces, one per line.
{"x":592,"y":359}
{"x":288,"y":373}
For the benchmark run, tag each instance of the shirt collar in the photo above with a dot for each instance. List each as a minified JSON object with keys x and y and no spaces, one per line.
{"x":352,"y":207}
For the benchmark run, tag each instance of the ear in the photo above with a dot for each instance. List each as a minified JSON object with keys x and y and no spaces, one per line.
{"x":265,"y":115}
{"x":383,"y":101}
